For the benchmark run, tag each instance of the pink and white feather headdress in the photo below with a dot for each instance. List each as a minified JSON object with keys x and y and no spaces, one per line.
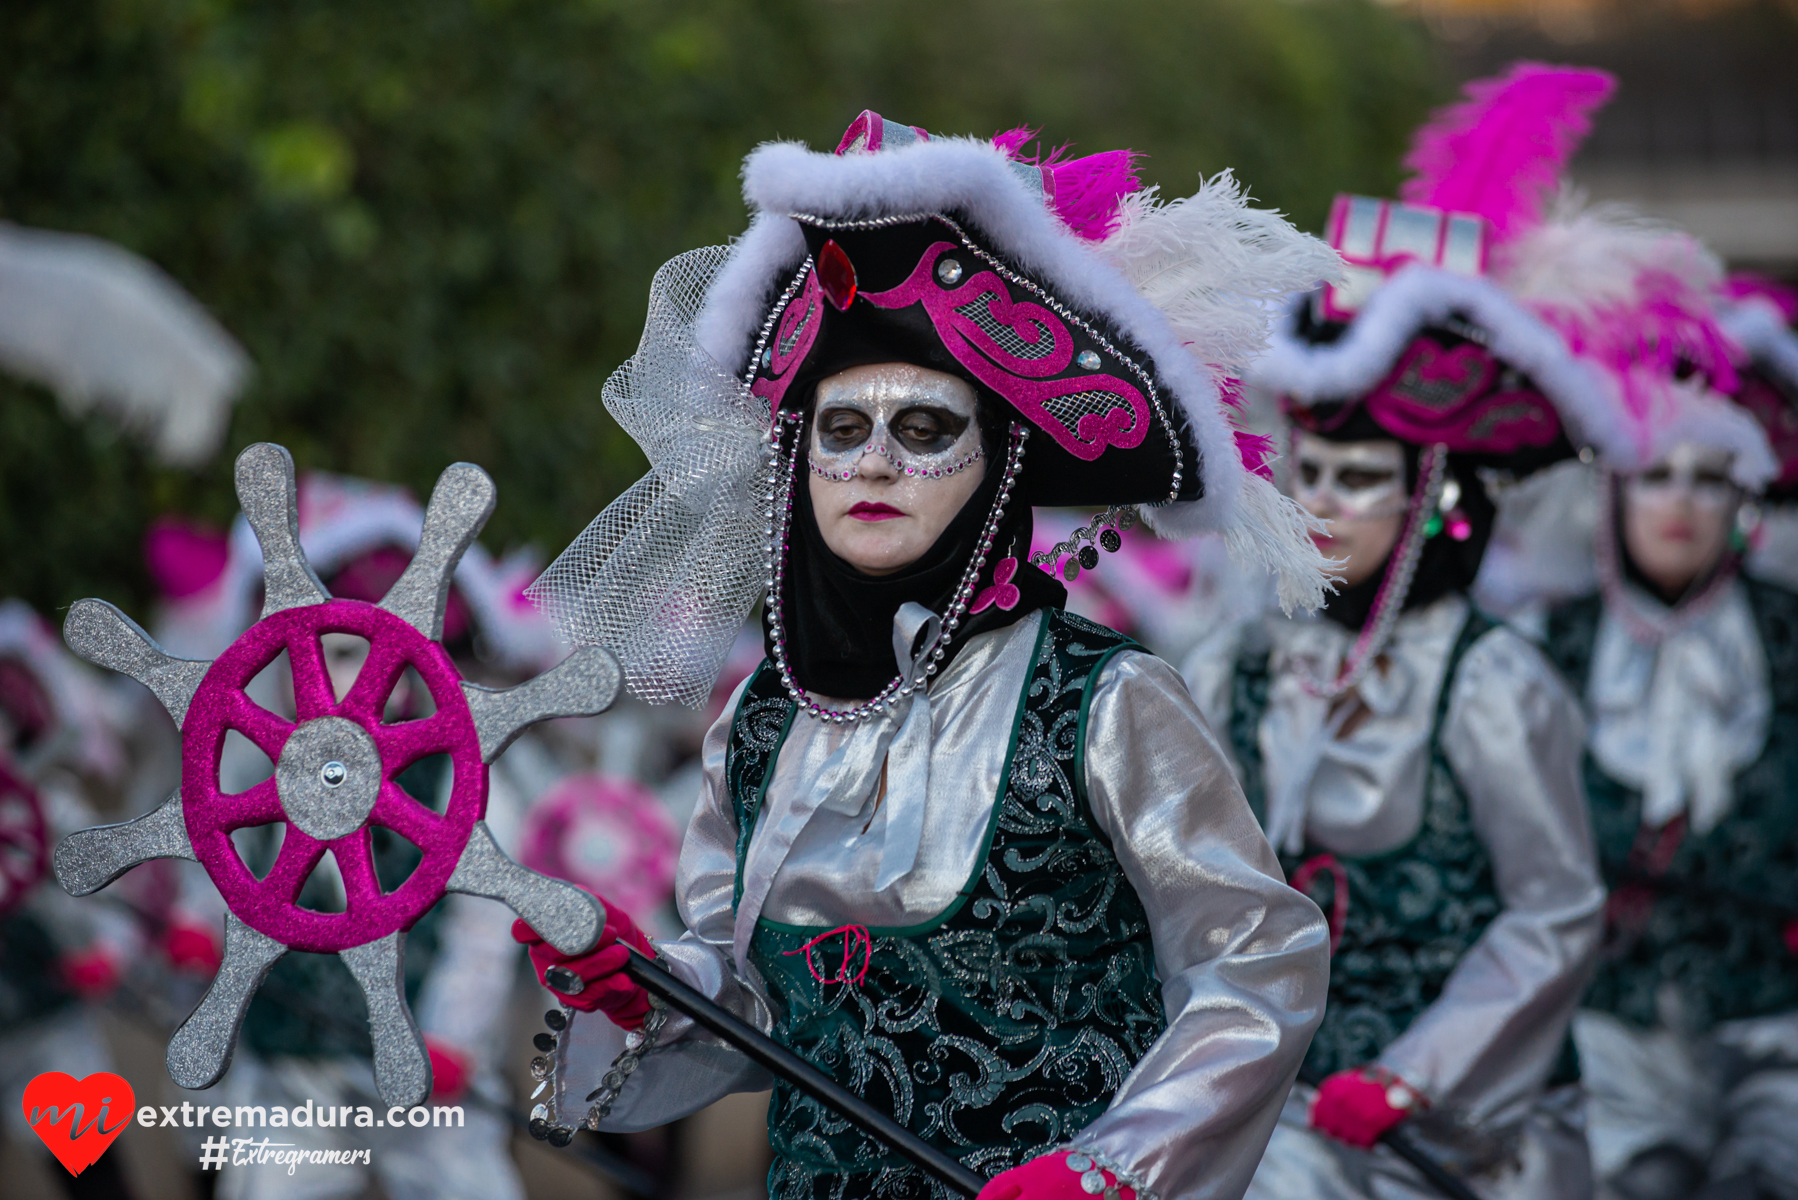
{"x":1447,"y":257}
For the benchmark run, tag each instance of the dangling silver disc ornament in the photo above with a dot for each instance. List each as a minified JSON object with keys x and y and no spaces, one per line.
{"x":335,"y":769}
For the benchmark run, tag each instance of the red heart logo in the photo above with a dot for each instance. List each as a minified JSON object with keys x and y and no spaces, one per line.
{"x":78,"y":1118}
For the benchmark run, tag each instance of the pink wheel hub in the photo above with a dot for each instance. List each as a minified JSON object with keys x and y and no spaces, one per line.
{"x":335,"y":771}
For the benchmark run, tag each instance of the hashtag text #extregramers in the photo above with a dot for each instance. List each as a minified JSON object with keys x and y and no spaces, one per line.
{"x":250,"y":1152}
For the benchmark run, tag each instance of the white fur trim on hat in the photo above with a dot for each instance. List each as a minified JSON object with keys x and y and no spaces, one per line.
{"x":1421,"y":295}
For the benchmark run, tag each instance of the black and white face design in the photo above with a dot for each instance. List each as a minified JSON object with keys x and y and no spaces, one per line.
{"x":1353,"y":480}
{"x":1359,"y":488}
{"x":920,"y":421}
{"x":895,"y":454}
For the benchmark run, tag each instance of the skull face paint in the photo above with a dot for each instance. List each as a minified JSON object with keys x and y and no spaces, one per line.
{"x":921,"y":421}
{"x":895,"y":453}
{"x":1359,"y":488}
{"x":1677,"y":516}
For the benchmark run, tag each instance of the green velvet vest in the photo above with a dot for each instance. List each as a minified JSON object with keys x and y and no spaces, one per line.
{"x":999,"y":1028}
{"x":1707,"y":915}
{"x":1413,"y":912}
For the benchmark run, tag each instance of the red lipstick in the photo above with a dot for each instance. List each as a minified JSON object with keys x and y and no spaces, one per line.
{"x":865,"y":510}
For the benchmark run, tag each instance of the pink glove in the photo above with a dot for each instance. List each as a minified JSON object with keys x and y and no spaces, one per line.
{"x":1056,"y":1175}
{"x":90,"y":973}
{"x":1358,"y":1106}
{"x":192,"y":948}
{"x":450,"y":1069}
{"x":607,"y":989}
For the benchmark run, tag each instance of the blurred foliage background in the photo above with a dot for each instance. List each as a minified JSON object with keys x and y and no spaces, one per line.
{"x":432,"y":223}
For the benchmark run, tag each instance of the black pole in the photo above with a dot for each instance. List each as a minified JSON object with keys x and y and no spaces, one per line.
{"x":1400,"y":1143}
{"x":804,"y":1076}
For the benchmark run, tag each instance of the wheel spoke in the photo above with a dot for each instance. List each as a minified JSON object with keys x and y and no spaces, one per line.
{"x":300,"y":852}
{"x":404,"y":744}
{"x":404,"y":815}
{"x":355,"y":859}
{"x":268,"y":731}
{"x":257,"y":806}
{"x":375,"y":681}
{"x":313,"y":695}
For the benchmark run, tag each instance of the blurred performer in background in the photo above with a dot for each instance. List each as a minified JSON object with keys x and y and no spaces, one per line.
{"x":303,"y":1037}
{"x":60,"y":754}
{"x":1688,"y":668}
{"x":948,"y":831}
{"x":1415,"y":763}
{"x":1758,"y":315}
{"x":108,"y":331}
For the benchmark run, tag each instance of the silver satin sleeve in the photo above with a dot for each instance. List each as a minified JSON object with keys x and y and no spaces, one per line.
{"x":689,"y":1068}
{"x":1514,"y":737}
{"x":1243,"y":959}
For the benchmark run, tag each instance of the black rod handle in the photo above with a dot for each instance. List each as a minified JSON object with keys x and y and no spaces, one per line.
{"x":1399,"y":1142}
{"x":803,"y":1075}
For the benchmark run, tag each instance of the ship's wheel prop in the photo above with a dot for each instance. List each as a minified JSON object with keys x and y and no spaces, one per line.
{"x":610,"y":835}
{"x":24,"y":838}
{"x":335,"y":770}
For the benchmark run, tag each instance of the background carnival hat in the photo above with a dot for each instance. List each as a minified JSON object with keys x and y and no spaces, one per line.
{"x":1099,"y":320}
{"x":359,"y":535}
{"x":1428,"y":336}
{"x":1757,"y":314}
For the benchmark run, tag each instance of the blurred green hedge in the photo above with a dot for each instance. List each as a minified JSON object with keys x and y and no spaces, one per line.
{"x":433,"y":222}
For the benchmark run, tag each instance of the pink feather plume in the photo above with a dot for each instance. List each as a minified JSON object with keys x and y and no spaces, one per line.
{"x":1256,"y":450}
{"x":1741,"y":285}
{"x":1086,"y":193}
{"x":1500,"y":152}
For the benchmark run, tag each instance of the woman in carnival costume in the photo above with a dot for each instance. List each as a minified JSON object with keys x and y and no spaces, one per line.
{"x":975,"y":857}
{"x":62,"y":749}
{"x":1688,"y":669}
{"x":302,"y":1036}
{"x":1415,"y":763}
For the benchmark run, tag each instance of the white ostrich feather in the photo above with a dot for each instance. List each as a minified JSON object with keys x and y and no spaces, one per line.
{"x":1215,"y":267}
{"x":106,"y":329}
{"x":1591,"y":257}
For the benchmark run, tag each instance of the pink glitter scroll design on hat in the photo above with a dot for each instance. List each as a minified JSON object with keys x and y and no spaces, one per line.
{"x":609,"y":835}
{"x":1446,"y":395}
{"x":794,"y":335}
{"x":1015,"y":347}
{"x":270,"y":904}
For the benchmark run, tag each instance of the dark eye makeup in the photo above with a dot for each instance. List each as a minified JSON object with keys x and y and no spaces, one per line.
{"x":921,"y":429}
{"x":1359,"y":479}
{"x":843,"y":428}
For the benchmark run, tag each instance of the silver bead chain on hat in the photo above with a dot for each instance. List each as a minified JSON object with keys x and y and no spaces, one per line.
{"x":1390,"y":602}
{"x":779,"y":513}
{"x":999,"y":266}
{"x":550,"y":1067}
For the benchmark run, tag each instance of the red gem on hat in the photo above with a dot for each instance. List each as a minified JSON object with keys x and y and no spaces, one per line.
{"x":836,"y":275}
